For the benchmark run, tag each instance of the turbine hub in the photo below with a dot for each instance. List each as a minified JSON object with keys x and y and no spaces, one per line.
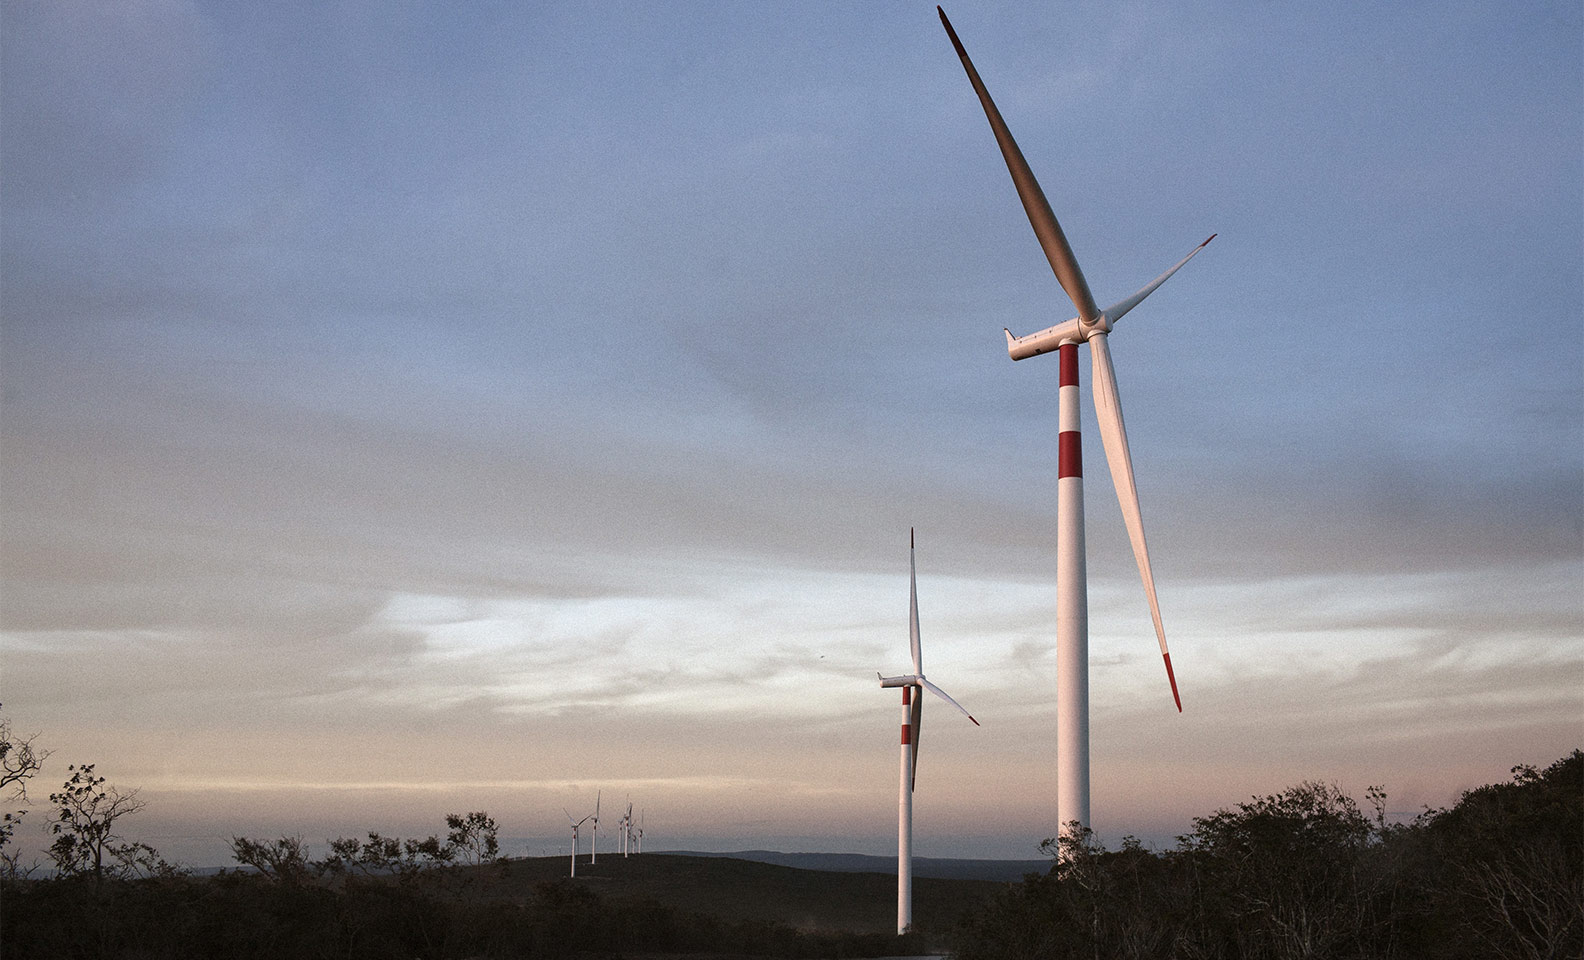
{"x":1101,"y":324}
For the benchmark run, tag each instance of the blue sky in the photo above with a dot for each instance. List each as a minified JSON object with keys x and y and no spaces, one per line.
{"x":413,"y":407}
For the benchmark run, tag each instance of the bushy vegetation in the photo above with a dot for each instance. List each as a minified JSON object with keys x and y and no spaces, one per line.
{"x":444,"y":912}
{"x":377,"y":897}
{"x":1306,"y":874}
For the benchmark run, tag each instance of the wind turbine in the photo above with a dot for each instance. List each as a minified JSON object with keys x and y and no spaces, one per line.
{"x":575,"y":825}
{"x":626,"y":830}
{"x":912,"y":721}
{"x":594,"y":840}
{"x":1092,"y":325}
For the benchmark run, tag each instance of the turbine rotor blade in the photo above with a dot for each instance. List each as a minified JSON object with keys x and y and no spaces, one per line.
{"x":915,"y":723}
{"x":947,"y":697}
{"x":913,"y":619}
{"x":1116,"y":310}
{"x":1049,"y":232}
{"x":1108,"y":410}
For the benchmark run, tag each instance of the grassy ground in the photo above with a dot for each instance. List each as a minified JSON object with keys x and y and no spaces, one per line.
{"x":739,"y":890}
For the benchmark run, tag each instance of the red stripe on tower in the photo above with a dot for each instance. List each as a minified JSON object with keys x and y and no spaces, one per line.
{"x":1069,"y":448}
{"x":1069,"y":455}
{"x":1069,"y":365}
{"x":907,"y":734}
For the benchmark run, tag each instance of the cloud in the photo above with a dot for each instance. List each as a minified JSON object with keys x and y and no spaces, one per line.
{"x":94,"y":93}
{"x":563,"y":419}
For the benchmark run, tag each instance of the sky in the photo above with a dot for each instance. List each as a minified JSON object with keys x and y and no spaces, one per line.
{"x":409,"y":408}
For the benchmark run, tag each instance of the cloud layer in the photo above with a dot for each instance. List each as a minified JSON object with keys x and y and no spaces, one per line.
{"x":416,"y":413}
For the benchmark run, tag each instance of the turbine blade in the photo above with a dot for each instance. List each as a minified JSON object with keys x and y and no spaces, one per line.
{"x":1049,"y":232}
{"x":913,"y":623}
{"x":916,"y":722}
{"x":1116,"y":310}
{"x":944,"y":696}
{"x":1108,"y":410}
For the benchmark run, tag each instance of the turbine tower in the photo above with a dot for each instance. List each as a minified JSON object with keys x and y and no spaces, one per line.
{"x":912,"y":720}
{"x":1092,"y":325}
{"x":626,"y":830}
{"x":594,"y":840}
{"x":576,"y":824}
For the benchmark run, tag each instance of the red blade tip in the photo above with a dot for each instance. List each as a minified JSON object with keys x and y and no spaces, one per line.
{"x":1173,"y":678}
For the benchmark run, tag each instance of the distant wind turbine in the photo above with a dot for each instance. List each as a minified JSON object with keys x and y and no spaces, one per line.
{"x":912,"y":722}
{"x":626,"y":830}
{"x":1092,"y":325}
{"x":576,"y":824}
{"x":594,"y":840}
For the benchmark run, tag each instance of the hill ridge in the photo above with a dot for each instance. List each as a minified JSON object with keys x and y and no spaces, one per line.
{"x":943,"y":868}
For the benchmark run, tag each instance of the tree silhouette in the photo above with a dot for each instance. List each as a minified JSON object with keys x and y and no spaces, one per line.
{"x":20,"y":761}
{"x":472,"y":837}
{"x":85,"y":824}
{"x":1305,"y":873}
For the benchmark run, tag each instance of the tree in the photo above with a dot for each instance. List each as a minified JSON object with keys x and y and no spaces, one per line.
{"x":472,"y":837}
{"x":1286,"y":875}
{"x":385,"y":856}
{"x":284,"y":860}
{"x":1511,"y":856}
{"x":85,"y":824}
{"x":20,"y":761}
{"x":472,"y":841}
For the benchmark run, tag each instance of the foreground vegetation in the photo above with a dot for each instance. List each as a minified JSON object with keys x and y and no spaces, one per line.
{"x":1306,"y":873}
{"x":1300,"y":874}
{"x":436,"y":915}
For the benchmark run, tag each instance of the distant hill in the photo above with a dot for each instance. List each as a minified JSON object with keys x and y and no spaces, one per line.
{"x":934,"y":867}
{"x":738,"y":889}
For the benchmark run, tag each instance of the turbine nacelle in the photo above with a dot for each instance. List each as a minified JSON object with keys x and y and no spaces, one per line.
{"x":1047,"y":340}
{"x":917,"y":680}
{"x":1078,"y":330}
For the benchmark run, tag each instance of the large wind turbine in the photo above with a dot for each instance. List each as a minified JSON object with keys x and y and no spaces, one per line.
{"x":912,"y":720}
{"x":1092,"y":325}
{"x":576,"y":825}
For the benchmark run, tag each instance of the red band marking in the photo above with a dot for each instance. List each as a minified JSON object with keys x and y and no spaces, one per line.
{"x":1069,"y":454}
{"x":1069,"y":365}
{"x":907,"y":696}
{"x":907,"y":734}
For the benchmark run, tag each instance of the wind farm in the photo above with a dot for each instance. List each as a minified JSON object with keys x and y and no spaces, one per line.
{"x":407,"y":416}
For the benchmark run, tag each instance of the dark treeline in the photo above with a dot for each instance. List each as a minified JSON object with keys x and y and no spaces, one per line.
{"x":1302,"y":873}
{"x":1307,"y":874}
{"x":382,"y":897}
{"x":445,"y":912}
